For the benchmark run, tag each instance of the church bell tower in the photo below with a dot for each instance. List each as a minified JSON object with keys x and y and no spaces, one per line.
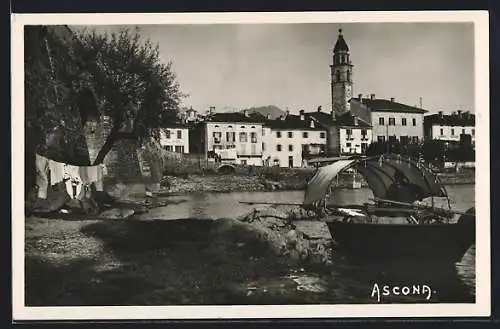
{"x":341,"y":77}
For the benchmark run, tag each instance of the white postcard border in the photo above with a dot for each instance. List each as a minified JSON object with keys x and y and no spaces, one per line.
{"x":482,"y":96}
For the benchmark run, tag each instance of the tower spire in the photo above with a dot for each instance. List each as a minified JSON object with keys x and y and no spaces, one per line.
{"x":341,"y":76}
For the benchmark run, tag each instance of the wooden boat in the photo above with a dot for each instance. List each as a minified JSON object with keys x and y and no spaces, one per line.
{"x":409,"y":231}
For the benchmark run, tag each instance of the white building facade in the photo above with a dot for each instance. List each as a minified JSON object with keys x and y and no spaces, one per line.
{"x":175,"y":138}
{"x":287,"y":141}
{"x":390,"y":120}
{"x":354,"y":140}
{"x":450,"y":128}
{"x":235,"y":138}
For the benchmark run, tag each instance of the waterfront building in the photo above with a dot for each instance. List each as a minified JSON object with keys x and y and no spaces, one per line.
{"x":174,"y":137}
{"x":388,"y":119}
{"x":234,"y":137}
{"x":346,"y":134}
{"x":452,"y":127}
{"x":291,"y":139}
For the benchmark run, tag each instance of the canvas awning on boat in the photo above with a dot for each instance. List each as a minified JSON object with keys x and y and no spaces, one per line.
{"x":379,"y":173}
{"x":319,"y":184}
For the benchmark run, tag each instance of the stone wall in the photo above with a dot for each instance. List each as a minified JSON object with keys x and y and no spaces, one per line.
{"x":122,"y":161}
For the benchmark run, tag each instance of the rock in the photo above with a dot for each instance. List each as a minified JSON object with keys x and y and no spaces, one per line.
{"x":116,"y":213}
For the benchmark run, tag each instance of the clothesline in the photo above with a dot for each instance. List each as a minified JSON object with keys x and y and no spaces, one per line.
{"x":76,"y":178}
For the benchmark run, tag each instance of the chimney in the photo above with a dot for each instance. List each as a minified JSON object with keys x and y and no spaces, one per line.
{"x":245,"y":112}
{"x":356,"y":120}
{"x":440,"y":114}
{"x":333,"y":115}
{"x":372,"y":96}
{"x":212,"y":109}
{"x":268,"y":116}
{"x":287,"y":113}
{"x":392,"y":99}
{"x":302,"y":115}
{"x":319,"y":108}
{"x":282,"y":117}
{"x":312,"y":123}
{"x":453,"y":113}
{"x":459,"y":113}
{"x":360,"y":97}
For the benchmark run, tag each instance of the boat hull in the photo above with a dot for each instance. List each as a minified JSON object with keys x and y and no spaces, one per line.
{"x":419,"y":242}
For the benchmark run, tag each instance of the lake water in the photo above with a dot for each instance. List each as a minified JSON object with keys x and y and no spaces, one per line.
{"x":345,"y":281}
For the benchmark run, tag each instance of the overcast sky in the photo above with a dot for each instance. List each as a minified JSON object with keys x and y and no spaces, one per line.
{"x":287,"y":65}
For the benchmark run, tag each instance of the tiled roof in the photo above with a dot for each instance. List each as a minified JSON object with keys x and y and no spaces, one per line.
{"x":462,"y":119}
{"x":346,"y":120}
{"x":385,"y":105}
{"x":292,"y":122}
{"x":235,"y":117}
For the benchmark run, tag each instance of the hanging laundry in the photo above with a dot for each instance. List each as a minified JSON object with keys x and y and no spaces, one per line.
{"x":73,"y":180}
{"x":42,"y":175}
{"x":56,"y":172}
{"x":92,"y":174}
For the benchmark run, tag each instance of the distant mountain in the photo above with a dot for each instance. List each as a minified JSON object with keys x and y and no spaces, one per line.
{"x":273,"y":111}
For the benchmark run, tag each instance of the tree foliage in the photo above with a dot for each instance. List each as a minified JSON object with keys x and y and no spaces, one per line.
{"x":73,"y":76}
{"x":131,"y":81}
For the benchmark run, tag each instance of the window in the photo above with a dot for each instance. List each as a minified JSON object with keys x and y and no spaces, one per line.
{"x":179,"y":149}
{"x":290,"y":134}
{"x":380,"y":139}
{"x":243,"y":137}
{"x":414,"y":121}
{"x":179,"y":134}
{"x":338,"y":76}
{"x":253,"y":137}
{"x":364,"y":133}
{"x":392,"y":139}
{"x":452,"y":132}
{"x":278,"y":134}
{"x":403,"y":121}
{"x":305,"y":134}
{"x":253,"y":127}
{"x":404,"y":140}
{"x":392,"y":121}
{"x":463,"y":131}
{"x":244,"y":162}
{"x":230,"y":136}
{"x":217,"y":137}
{"x":290,"y":148}
{"x":415,"y":139}
{"x":263,"y":147}
{"x":169,"y":148}
{"x":348,"y":75}
{"x":364,"y":146}
{"x":381,"y":121}
{"x":278,"y":147}
{"x":167,"y":133}
{"x":321,"y":135}
{"x":349,"y":133}
{"x":441,"y":132}
{"x":348,"y":145}
{"x":473,"y":131}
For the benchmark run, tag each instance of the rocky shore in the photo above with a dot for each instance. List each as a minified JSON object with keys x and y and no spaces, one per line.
{"x":252,"y":183}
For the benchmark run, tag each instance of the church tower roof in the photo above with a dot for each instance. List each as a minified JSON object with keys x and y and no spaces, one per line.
{"x":340,"y":45}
